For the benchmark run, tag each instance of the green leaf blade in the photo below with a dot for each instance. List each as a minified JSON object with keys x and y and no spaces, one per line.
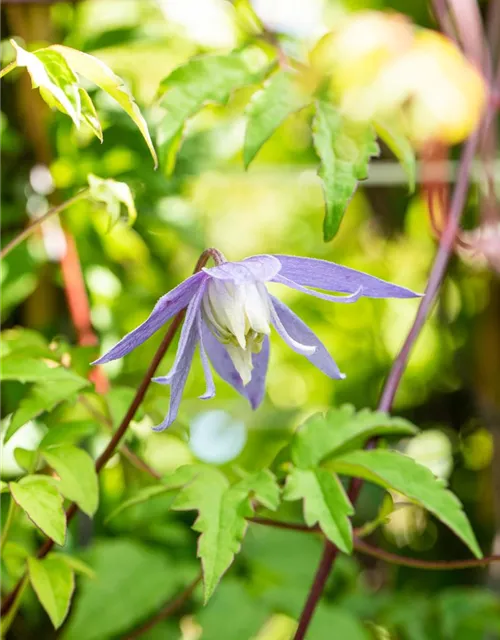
{"x":401,"y":473}
{"x":115,"y":196}
{"x":78,"y":478}
{"x":43,"y":504}
{"x":325,"y":503}
{"x":53,"y":581}
{"x":401,"y":147}
{"x":268,"y":109}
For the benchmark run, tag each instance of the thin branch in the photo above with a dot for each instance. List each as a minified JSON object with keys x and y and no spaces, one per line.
{"x":10,"y":67}
{"x":36,"y":223}
{"x":120,"y":432}
{"x":168,"y":610}
{"x":279,"y":524}
{"x":431,"y":565}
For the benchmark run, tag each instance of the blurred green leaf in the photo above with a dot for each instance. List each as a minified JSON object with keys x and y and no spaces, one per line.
{"x":113,"y":195}
{"x":189,"y":87}
{"x":143,"y":495}
{"x":54,"y":582}
{"x":344,"y":149}
{"x":89,"y":114}
{"x":75,"y":563}
{"x":280,"y":97}
{"x":339,"y":429}
{"x":401,"y":147}
{"x":69,"y":432}
{"x":43,"y":396}
{"x":77,"y":475}
{"x":50,"y":72}
{"x":43,"y":504}
{"x":132,"y":582}
{"x":17,"y":367}
{"x":346,"y":624}
{"x":461,"y":605}
{"x":25,"y":458}
{"x":100,"y":74}
{"x":325,"y":503}
{"x":401,"y":473}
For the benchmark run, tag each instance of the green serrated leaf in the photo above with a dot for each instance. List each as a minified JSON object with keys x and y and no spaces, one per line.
{"x":43,"y":504}
{"x":25,"y":458}
{"x":323,"y":435}
{"x":43,"y":396}
{"x":77,"y":476}
{"x":89,"y":114}
{"x":143,"y":495}
{"x":280,"y":97}
{"x":54,"y":582}
{"x":50,"y":73}
{"x":344,"y":149}
{"x":401,"y":473}
{"x":222,"y":512}
{"x":17,"y":367}
{"x":325,"y":503}
{"x":201,"y":80}
{"x":113,"y":195}
{"x":263,"y":486}
{"x":100,"y":74}
{"x":401,"y":147}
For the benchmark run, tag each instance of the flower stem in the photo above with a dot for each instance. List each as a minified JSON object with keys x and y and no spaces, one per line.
{"x":8,"y":522}
{"x":10,"y":67}
{"x":36,"y":223}
{"x":446,"y":244}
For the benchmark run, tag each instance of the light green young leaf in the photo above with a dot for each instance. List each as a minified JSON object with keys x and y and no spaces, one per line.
{"x":43,"y":505}
{"x":78,"y":478}
{"x":4,"y":486}
{"x":323,"y":435}
{"x":43,"y":396}
{"x":17,"y":367}
{"x":50,"y":72}
{"x":344,"y":149}
{"x":75,"y":563}
{"x":24,"y":342}
{"x":143,"y":495}
{"x":399,"y":472}
{"x":221,"y":520}
{"x":263,"y":486}
{"x":89,"y":114}
{"x":113,"y":195}
{"x":100,"y":74}
{"x":280,"y":97}
{"x":201,"y":80}
{"x":325,"y":503}
{"x":401,"y":147}
{"x":54,"y":582}
{"x":25,"y":458}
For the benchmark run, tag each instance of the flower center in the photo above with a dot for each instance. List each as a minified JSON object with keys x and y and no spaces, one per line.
{"x":239,"y":317}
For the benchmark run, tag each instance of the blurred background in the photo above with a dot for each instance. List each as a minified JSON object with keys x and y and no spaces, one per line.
{"x":451,"y":388}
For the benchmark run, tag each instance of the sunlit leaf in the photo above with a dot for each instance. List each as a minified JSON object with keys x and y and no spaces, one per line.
{"x":25,"y":458}
{"x":280,"y":97}
{"x":263,"y":486}
{"x":89,"y":114}
{"x":75,"y":563}
{"x":207,"y":79}
{"x":50,"y":73}
{"x":43,"y":396}
{"x":344,"y":149}
{"x":325,"y":503}
{"x":54,"y":582}
{"x":43,"y":504}
{"x":401,"y":473}
{"x":116,"y":196}
{"x":323,"y":435}
{"x":77,"y":475}
{"x":100,"y":74}
{"x":401,"y":147}
{"x":23,"y":369}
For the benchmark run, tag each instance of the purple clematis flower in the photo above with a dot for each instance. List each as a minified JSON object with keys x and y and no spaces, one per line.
{"x":230,"y":314}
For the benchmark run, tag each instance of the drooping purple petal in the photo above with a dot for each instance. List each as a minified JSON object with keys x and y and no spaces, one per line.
{"x":317,"y":294}
{"x":322,"y":274}
{"x":300,"y":332}
{"x":254,"y":269}
{"x":209,"y":380}
{"x":179,"y":381}
{"x":166,"y":307}
{"x":298,"y":346}
{"x":189,"y":326}
{"x":223,"y":365}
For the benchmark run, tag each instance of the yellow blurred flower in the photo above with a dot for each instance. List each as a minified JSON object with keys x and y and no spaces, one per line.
{"x":382,"y":68}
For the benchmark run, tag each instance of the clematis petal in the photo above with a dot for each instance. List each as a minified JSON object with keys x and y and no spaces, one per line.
{"x":166,"y":307}
{"x":189,"y":326}
{"x":254,"y":269}
{"x":299,"y":331}
{"x":223,"y":365}
{"x":209,"y":380}
{"x":179,"y":381}
{"x":322,"y":274}
{"x":298,"y":347}
{"x":317,"y":294}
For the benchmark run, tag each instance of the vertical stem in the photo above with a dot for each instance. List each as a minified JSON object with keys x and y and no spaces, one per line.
{"x":9,"y":618}
{"x":10,"y":67}
{"x":8,"y":522}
